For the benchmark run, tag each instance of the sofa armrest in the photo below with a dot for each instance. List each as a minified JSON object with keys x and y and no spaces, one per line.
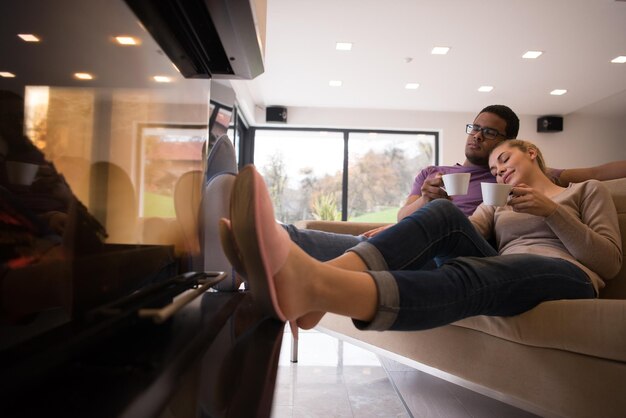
{"x":339,"y":227}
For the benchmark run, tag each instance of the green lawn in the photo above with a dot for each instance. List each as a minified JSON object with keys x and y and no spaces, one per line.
{"x":387,"y":215}
{"x":163,"y":206}
{"x":158,"y":205}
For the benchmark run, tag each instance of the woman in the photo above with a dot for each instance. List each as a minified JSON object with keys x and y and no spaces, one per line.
{"x":553,"y":243}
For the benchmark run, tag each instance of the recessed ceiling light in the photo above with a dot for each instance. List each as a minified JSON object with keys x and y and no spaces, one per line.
{"x":335,"y":83}
{"x":411,"y":86}
{"x":83,"y":76}
{"x":29,"y":37}
{"x":440,"y":50}
{"x":532,"y":54}
{"x":619,"y":60}
{"x":485,"y":89}
{"x":558,"y":92}
{"x":6,"y":74}
{"x":162,"y":79}
{"x":127,"y":40}
{"x":343,"y":46}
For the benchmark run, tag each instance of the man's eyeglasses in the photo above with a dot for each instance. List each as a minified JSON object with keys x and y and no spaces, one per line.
{"x":488,"y":133}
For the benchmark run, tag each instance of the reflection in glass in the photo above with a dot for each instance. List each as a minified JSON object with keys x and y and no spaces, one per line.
{"x":95,"y":146}
{"x":166,"y":152}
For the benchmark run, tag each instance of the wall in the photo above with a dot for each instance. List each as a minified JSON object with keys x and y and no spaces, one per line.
{"x":587,"y":138}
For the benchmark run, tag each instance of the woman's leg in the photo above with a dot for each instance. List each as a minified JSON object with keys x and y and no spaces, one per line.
{"x":305,"y":285}
{"x":468,"y":286}
{"x":285,"y":283}
{"x":437,"y":231}
{"x":416,"y":300}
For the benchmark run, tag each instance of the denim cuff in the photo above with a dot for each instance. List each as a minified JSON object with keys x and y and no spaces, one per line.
{"x":388,"y":303}
{"x":370,"y":255}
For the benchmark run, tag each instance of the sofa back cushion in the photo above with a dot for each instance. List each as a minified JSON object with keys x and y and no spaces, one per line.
{"x":616,"y":287}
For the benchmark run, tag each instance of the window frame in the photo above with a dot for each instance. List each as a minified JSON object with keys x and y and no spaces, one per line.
{"x":247,"y":149}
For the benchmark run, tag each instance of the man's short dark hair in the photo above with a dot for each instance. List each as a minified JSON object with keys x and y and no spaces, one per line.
{"x":506,"y":113}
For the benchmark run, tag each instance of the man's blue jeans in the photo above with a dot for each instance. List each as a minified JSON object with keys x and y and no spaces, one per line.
{"x":322,"y":246}
{"x":471,"y":278}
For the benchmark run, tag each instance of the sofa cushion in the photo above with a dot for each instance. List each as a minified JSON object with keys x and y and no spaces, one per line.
{"x":618,"y":191}
{"x":339,"y":227}
{"x":591,"y":326}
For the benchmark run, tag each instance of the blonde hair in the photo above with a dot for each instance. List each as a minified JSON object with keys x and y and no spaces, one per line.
{"x":525,"y":146}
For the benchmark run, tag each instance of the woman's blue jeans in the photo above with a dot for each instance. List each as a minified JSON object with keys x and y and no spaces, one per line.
{"x":471,"y":278}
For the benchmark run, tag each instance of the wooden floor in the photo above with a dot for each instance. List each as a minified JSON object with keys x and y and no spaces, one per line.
{"x":334,"y":378}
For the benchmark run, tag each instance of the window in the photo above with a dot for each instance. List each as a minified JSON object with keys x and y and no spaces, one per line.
{"x":304,"y":171}
{"x":382,"y":167}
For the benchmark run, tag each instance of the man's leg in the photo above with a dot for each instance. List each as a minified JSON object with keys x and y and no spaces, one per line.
{"x":437,"y":231}
{"x":322,"y":246}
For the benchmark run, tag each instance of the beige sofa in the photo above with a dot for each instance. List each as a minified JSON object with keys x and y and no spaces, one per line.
{"x":562,"y":358}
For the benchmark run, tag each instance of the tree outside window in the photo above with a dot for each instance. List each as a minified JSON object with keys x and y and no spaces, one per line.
{"x":304,"y":172}
{"x":382,"y":168}
{"x":301,"y":168}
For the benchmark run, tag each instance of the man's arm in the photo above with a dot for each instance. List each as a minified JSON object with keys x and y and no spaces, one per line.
{"x":412,"y":203}
{"x":608,"y":171}
{"x":431,"y":190}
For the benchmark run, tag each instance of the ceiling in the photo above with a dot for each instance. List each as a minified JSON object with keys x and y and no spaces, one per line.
{"x":392,"y":41}
{"x":77,"y":36}
{"x":487,"y":39}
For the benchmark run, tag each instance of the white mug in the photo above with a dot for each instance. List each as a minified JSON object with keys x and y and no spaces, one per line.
{"x":495,"y":194}
{"x":456,"y":183}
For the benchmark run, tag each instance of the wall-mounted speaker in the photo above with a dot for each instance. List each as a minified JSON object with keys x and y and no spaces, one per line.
{"x":276,"y":114}
{"x":550,"y":124}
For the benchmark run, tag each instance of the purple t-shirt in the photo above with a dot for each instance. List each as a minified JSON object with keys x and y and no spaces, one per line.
{"x":474,"y":197}
{"x":468,"y":202}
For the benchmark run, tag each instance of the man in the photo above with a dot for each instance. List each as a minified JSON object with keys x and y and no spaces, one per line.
{"x":494,"y":124}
